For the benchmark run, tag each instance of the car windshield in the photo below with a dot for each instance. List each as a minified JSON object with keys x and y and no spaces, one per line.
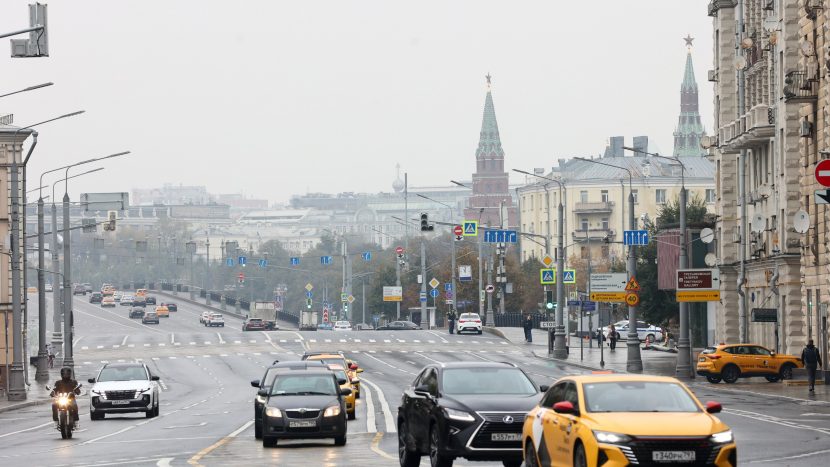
{"x":333,"y":361}
{"x":487,"y":381}
{"x":637,"y":396}
{"x":303,"y":385}
{"x":340,"y":374}
{"x":255,"y":320}
{"x":127,"y":373}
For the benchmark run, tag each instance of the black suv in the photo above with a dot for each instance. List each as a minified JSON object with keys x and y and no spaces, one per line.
{"x":304,"y":403}
{"x":474,"y":410}
{"x":136,"y":312}
{"x":150,"y":300}
{"x":96,"y":297}
{"x":266,"y":382}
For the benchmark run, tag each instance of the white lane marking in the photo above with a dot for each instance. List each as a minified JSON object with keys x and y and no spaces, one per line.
{"x":775,"y":420}
{"x":207,"y":342}
{"x":428,"y":358}
{"x":416,"y":341}
{"x":27,"y":429}
{"x":162,"y":344}
{"x":267,"y":337}
{"x":253,"y":341}
{"x":797,"y":456}
{"x":172,"y":338}
{"x":164,"y":462}
{"x":221,"y":341}
{"x":438,"y":336}
{"x":237,"y":342}
{"x":124,"y":342}
{"x":371,"y":425}
{"x":99,"y":347}
{"x":342,"y":340}
{"x":146,"y":345}
{"x":390,"y":365}
{"x":384,"y":407}
{"x":356,"y":340}
{"x":76,"y":341}
{"x":372,"y":341}
{"x":301,"y":340}
{"x":387,"y":341}
{"x":431,"y":341}
{"x":85,"y":348}
{"x":185,"y":426}
{"x":478,"y":356}
{"x":192,"y":343}
{"x":310,"y":340}
{"x":327,"y":340}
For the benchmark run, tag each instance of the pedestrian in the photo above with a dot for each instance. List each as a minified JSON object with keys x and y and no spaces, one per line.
{"x":811,"y":359}
{"x":50,"y":356}
{"x":451,"y":321}
{"x":528,"y":327}
{"x":612,"y":336}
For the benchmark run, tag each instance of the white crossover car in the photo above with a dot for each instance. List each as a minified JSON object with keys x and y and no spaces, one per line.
{"x":124,"y":388}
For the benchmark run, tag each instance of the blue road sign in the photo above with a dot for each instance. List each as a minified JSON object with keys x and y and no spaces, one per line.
{"x":635,"y":237}
{"x":433,"y":293}
{"x":309,"y":294}
{"x":263,"y":263}
{"x":589,"y":306}
{"x":573,"y":302}
{"x":242,"y":260}
{"x":470,"y":228}
{"x":295,"y":261}
{"x":229,"y":262}
{"x":326,"y":260}
{"x":569,"y":276}
{"x":547,"y":276}
{"x":367,"y":256}
{"x":448,"y":287}
{"x":501,"y":236}
{"x":423,"y":297}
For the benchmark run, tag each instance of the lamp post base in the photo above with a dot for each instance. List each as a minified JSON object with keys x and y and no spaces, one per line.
{"x":684,"y":364}
{"x":560,"y":349}
{"x":490,"y":317}
{"x":42,"y":373}
{"x":17,"y":382}
{"x":635,"y":362}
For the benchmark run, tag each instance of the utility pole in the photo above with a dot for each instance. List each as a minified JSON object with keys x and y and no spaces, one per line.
{"x":398,"y":261}
{"x":454,"y":305}
{"x":68,"y":320}
{"x":424,"y":279}
{"x":17,"y":378}
{"x":481,"y":274}
{"x":57,"y":307}
{"x":207,"y":272}
{"x":634,"y":363}
{"x":42,"y":373}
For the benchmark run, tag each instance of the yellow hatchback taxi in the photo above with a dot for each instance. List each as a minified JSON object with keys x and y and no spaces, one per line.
{"x":729,"y":362}
{"x":162,"y":311}
{"x":337,"y":359}
{"x":341,"y":375}
{"x":617,"y":420}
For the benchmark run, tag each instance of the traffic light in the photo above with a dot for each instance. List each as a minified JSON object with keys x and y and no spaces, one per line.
{"x":111,"y":217}
{"x":345,"y":309}
{"x":425,"y":225}
{"x":549,"y":299}
{"x":308,"y":303}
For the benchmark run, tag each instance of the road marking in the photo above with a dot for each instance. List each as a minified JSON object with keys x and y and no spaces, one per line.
{"x":371,"y":425}
{"x":775,"y":420}
{"x":267,"y":337}
{"x":390,"y":365}
{"x":237,"y":342}
{"x":372,"y":341}
{"x":171,"y":358}
{"x":342,"y":340}
{"x":195,"y":459}
{"x":428,"y":358}
{"x":310,"y":340}
{"x":27,"y":429}
{"x":124,"y":342}
{"x":130,"y":346}
{"x":164,"y":462}
{"x":162,"y":344}
{"x":221,"y":341}
{"x":430,"y":341}
{"x":797,"y":456}
{"x":99,"y":347}
{"x":387,"y":341}
{"x":327,"y":340}
{"x":416,"y":341}
{"x":172,"y":338}
{"x":76,"y":341}
{"x":85,"y":348}
{"x":146,"y":345}
{"x":207,"y":342}
{"x":438,"y":336}
{"x":253,"y":341}
{"x":384,"y":407}
{"x":185,"y":426}
{"x":356,"y":340}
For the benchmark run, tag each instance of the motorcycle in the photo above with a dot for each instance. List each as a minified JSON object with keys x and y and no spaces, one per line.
{"x":63,"y":402}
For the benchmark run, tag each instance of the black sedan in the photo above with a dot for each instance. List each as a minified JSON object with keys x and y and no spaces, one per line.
{"x":150,"y":300}
{"x":304,"y":404}
{"x":266,"y":382}
{"x":96,"y":297}
{"x":474,"y":410}
{"x":171,"y":306}
{"x":399,"y":326}
{"x":136,"y":312}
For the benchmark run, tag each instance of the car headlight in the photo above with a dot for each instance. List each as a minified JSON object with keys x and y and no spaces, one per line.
{"x":260,"y":399}
{"x":459,"y":415}
{"x":273,"y":412}
{"x":611,"y":438}
{"x":332,"y":411}
{"x":722,"y":437}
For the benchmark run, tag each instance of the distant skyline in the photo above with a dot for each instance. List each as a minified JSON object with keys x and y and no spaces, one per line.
{"x":270,"y":99}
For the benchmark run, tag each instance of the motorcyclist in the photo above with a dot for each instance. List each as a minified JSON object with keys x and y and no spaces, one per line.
{"x":66,"y":384}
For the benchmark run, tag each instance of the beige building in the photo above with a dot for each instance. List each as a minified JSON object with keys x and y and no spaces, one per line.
{"x":758,"y":246}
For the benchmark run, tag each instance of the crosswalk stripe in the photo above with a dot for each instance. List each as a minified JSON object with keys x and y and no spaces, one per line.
{"x":84,"y":348}
{"x":356,"y":340}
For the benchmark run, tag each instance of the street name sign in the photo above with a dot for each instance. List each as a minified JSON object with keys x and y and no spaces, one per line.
{"x":392,"y":293}
{"x":470,"y":228}
{"x":608,"y":282}
{"x":501,"y":236}
{"x":698,"y":279}
{"x":823,"y":172}
{"x":547,"y":276}
{"x":635,"y":237}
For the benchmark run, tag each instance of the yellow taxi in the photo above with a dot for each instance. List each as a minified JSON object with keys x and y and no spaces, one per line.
{"x":618,"y":420}
{"x":338,"y":359}
{"x":341,"y":375}
{"x":162,"y":311}
{"x":730,"y":362}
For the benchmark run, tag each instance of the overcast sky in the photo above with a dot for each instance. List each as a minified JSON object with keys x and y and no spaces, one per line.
{"x":273,"y":98}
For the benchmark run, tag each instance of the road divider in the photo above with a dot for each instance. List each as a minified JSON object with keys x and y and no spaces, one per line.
{"x":388,"y":418}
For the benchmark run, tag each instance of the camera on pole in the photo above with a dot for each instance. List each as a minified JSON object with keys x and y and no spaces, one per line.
{"x":425,"y":225}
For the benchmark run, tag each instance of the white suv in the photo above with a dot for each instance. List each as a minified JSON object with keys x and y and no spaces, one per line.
{"x":215,"y":319}
{"x":342,"y":326}
{"x":204,"y":317}
{"x":644,"y":330}
{"x":124,"y":388}
{"x":469,"y":322}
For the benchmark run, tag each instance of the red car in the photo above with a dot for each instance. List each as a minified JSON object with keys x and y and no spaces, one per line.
{"x":253,"y":324}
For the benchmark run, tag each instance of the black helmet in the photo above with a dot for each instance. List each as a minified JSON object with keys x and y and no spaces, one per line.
{"x":66,"y":372}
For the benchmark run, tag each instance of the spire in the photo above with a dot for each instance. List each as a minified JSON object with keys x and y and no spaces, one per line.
{"x":689,"y":129}
{"x":489,"y":143}
{"x":689,"y":82}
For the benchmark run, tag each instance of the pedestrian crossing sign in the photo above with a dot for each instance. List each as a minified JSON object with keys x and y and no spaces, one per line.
{"x":569,"y":276}
{"x":470,"y":228}
{"x":547,"y":276}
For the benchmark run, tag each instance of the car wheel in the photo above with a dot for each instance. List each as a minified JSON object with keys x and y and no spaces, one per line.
{"x":150,"y":413}
{"x":773,"y":379}
{"x":650,"y":337}
{"x":530,"y":455}
{"x":579,"y":456}
{"x":258,"y":430}
{"x":436,"y":459}
{"x":713,"y":379}
{"x":156,"y":411}
{"x":730,"y":374}
{"x":407,"y":458}
{"x":351,"y":415}
{"x":512,"y":463}
{"x":787,"y":371}
{"x":340,"y":440}
{"x":269,"y":441}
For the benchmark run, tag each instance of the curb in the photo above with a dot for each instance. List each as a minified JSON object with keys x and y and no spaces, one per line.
{"x":494,"y":331}
{"x":570,"y":363}
{"x":23,"y":405}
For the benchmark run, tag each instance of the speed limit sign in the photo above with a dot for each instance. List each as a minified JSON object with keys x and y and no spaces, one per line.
{"x":632,"y":299}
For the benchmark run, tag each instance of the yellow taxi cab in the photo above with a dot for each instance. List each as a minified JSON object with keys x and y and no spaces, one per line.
{"x":730,"y":362}
{"x":162,"y":311}
{"x":335,"y":358}
{"x":341,"y":375}
{"x":108,"y":290}
{"x":141,"y":292}
{"x":618,"y":420}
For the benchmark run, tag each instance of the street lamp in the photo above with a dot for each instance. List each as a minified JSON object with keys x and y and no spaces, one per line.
{"x":684,"y":348}
{"x":191,"y":250}
{"x":559,"y":348}
{"x":30,"y":88}
{"x":634,"y":363}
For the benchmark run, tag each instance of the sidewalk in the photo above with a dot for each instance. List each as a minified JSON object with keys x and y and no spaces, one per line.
{"x":36,"y":393}
{"x":660,"y":363}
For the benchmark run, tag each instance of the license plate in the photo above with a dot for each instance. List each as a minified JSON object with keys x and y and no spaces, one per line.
{"x":302,"y":423}
{"x":505,"y":437}
{"x":120,"y":402}
{"x":701,"y":359}
{"x":673,"y":456}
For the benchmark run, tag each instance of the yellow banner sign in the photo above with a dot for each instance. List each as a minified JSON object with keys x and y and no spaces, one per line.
{"x":698,"y":296}
{"x":618,"y":297}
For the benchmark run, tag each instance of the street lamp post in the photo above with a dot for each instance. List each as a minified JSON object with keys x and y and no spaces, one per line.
{"x":559,"y":348}
{"x":634,"y":363}
{"x":207,"y":273}
{"x":191,"y":249}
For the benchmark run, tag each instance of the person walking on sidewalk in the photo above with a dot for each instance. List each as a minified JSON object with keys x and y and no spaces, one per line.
{"x":451,"y":321}
{"x":612,"y":336}
{"x":528,"y":327}
{"x":811,"y":359}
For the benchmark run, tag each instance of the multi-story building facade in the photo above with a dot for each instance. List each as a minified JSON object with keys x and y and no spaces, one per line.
{"x":760,"y":89}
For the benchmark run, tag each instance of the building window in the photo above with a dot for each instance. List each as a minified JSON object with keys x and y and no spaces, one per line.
{"x":636,"y":196}
{"x":604,"y":223}
{"x":660,"y":196}
{"x":583,"y":196}
{"x":584,"y":224}
{"x":604,"y":195}
{"x":710,"y":195}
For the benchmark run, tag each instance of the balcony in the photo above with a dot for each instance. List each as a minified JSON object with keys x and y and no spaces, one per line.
{"x":800,"y":87}
{"x":752,"y":129}
{"x":601,"y":207}
{"x":595,"y":235}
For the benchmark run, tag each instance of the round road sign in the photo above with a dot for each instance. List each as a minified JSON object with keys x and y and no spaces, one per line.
{"x":458,"y":230}
{"x":399,"y":250}
{"x":823,"y":172}
{"x":490,"y":288}
{"x":632,"y":299}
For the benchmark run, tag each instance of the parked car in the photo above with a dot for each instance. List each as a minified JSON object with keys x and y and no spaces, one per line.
{"x":150,"y":317}
{"x":253,"y":324}
{"x":644,"y":330}
{"x":96,"y":297}
{"x":399,"y":326}
{"x":363,"y":327}
{"x":469,"y":322}
{"x":78,"y":289}
{"x":215,"y":319}
{"x":325,"y":327}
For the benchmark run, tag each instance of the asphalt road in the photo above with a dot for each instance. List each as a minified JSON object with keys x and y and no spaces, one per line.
{"x":206,"y":399}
